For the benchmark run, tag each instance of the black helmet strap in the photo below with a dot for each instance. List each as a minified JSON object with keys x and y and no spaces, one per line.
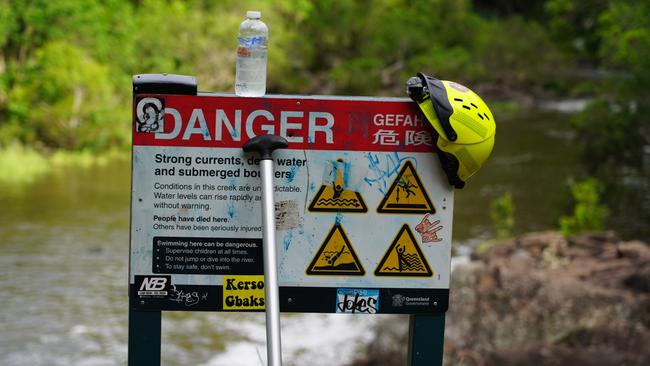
{"x":450,"y":165}
{"x":438,"y":96}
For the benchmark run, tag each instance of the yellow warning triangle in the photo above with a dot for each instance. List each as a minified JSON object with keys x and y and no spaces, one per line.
{"x":336,"y":256}
{"x":329,"y":199}
{"x":406,"y":194}
{"x":404,"y":257}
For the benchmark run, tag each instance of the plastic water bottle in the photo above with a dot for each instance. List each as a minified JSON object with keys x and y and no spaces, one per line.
{"x":253,"y":39}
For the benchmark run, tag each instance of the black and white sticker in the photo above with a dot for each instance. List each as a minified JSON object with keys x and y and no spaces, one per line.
{"x":153,"y":286}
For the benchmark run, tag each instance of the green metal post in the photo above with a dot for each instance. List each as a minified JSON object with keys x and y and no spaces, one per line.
{"x":144,"y":338}
{"x":144,"y":326}
{"x":426,"y":340}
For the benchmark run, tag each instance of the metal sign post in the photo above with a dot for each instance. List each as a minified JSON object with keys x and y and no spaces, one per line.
{"x":145,"y":325}
{"x":265,"y":145}
{"x":144,"y":338}
{"x":362,"y":211}
{"x":426,"y":340}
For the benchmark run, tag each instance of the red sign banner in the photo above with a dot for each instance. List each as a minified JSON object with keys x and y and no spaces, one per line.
{"x":333,"y":123}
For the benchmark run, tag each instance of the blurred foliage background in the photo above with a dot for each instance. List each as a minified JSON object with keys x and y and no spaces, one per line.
{"x":66,"y":65}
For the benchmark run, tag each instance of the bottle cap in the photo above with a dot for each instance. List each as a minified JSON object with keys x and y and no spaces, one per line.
{"x":252,"y":14}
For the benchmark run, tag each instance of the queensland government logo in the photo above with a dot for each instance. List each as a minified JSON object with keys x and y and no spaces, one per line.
{"x":398,"y":300}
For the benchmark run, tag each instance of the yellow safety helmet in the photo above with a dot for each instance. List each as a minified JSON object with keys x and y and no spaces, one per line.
{"x":464,"y":123}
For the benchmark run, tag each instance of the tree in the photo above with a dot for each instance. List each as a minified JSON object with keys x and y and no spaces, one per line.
{"x":66,"y":99}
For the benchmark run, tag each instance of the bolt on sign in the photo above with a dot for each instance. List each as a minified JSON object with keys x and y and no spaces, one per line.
{"x":363,"y":210}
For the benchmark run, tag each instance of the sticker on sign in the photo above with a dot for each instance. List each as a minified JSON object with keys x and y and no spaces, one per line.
{"x":243,"y":293}
{"x":153,"y":286}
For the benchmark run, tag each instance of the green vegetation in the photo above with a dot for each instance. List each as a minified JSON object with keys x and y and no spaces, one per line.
{"x":502,"y":213}
{"x":588,"y":213}
{"x":66,"y":65}
{"x":21,"y":165}
{"x":614,"y":130}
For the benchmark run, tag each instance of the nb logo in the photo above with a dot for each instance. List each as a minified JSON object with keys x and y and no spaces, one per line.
{"x":153,"y":284}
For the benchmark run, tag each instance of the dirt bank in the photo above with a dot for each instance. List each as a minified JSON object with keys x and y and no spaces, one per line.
{"x":542,"y":299}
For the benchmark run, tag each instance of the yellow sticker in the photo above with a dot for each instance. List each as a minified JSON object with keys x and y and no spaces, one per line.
{"x":243,"y":293}
{"x":404,"y":257}
{"x":406,"y":194}
{"x":336,"y":256}
{"x":329,"y":199}
{"x":335,"y":197}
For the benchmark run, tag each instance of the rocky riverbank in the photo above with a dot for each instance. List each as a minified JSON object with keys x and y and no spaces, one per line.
{"x":542,"y":299}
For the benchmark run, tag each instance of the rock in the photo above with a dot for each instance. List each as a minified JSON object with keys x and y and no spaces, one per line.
{"x":556,"y":302}
{"x":544,"y":354}
{"x":639,"y":280}
{"x":543,"y":299}
{"x":634,"y":250}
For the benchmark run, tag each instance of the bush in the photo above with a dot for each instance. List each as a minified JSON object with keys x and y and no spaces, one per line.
{"x":502,"y":211}
{"x":588,"y":213}
{"x":66,"y":99}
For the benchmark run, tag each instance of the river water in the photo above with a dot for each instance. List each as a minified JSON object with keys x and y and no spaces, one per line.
{"x":64,"y":261}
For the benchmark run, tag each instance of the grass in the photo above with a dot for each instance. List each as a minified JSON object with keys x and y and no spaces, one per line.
{"x":20,"y":165}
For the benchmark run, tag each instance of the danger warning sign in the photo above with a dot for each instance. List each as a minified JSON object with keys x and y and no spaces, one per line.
{"x":404,"y":257}
{"x":363,"y":210}
{"x":336,"y":256}
{"x":406,"y":194}
{"x":335,"y":197}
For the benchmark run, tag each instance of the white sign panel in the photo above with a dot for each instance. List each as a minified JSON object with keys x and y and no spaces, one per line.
{"x":363,"y":210}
